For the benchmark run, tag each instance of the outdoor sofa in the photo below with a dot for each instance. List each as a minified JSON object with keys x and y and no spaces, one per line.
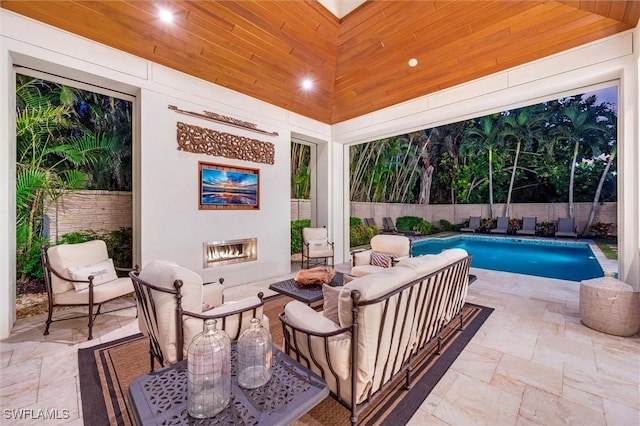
{"x":375,"y":328}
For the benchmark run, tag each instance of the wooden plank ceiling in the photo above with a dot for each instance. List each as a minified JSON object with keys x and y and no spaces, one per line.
{"x":359,"y":64}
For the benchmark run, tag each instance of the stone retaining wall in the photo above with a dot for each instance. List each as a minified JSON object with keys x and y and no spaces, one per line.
{"x":96,"y":210}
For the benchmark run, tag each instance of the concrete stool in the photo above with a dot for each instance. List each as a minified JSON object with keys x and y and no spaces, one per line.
{"x":610,"y":306}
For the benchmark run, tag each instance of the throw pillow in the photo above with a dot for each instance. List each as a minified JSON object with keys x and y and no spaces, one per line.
{"x":330,"y":305}
{"x":320,"y":244}
{"x":103,"y":272}
{"x":381,"y":259}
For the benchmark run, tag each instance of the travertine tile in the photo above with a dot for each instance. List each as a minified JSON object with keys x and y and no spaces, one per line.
{"x":604,"y":386}
{"x":619,"y":414}
{"x":553,"y":350}
{"x":531,"y":373}
{"x":467,"y":403}
{"x":422,"y":417}
{"x":544,"y":408}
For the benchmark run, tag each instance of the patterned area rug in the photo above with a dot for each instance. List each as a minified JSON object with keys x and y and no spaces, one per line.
{"x":106,"y":371}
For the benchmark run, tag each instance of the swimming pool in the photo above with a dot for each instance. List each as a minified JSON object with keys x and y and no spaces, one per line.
{"x":562,"y":260}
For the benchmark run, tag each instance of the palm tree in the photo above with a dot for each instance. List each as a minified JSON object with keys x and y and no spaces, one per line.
{"x":577,"y":124}
{"x":485,"y":137}
{"x":524,"y":127}
{"x":47,"y":159}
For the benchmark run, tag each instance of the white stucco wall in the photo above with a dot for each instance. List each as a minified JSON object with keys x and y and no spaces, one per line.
{"x":166,"y":217}
{"x":608,"y":60}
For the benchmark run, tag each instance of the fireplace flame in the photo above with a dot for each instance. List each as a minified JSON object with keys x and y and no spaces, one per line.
{"x":223,"y":252}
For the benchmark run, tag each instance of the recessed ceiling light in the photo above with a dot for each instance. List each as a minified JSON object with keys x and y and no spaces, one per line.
{"x":165,"y":15}
{"x":413,"y":62}
{"x":307,"y":84}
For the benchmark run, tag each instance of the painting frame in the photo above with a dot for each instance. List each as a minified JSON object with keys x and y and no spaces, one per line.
{"x":224,"y":187}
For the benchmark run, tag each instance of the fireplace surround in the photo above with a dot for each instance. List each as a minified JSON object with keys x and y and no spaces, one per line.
{"x":218,"y":253}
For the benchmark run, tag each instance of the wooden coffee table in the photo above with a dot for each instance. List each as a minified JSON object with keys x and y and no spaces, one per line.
{"x":161,"y":397}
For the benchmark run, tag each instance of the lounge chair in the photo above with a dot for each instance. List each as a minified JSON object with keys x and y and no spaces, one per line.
{"x":566,"y":227}
{"x":474,"y":225}
{"x":528,"y":226}
{"x":388,"y":227}
{"x":502,"y":227}
{"x":369,"y":221}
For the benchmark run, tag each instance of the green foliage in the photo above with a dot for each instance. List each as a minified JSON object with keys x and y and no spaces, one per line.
{"x":300,"y":176}
{"x":296,"y":234}
{"x":408,"y":223}
{"x":355,"y":221}
{"x":360,"y":235}
{"x":601,"y":230}
{"x":29,"y":266}
{"x":447,"y":226}
{"x":546,"y":229}
{"x":426,"y":228}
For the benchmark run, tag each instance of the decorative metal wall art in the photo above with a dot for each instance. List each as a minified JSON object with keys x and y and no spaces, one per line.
{"x":230,"y":121}
{"x":206,"y":141}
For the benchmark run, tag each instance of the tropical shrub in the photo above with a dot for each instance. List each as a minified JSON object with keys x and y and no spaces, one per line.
{"x":355,"y":221}
{"x":601,"y":230}
{"x":445,"y":225}
{"x":425,"y":227}
{"x":296,"y":234}
{"x":546,"y":229}
{"x":360,"y":235}
{"x":408,"y":223}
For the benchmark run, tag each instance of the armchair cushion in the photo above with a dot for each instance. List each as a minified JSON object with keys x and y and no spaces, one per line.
{"x":102,"y":293}
{"x":64,"y":256}
{"x":304,"y":317}
{"x":103,"y":272}
{"x":381,"y":259}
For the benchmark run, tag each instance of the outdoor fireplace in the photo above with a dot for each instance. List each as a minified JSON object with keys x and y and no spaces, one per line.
{"x":218,"y":253}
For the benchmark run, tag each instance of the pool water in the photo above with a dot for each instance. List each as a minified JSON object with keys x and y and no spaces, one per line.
{"x":565,"y":261}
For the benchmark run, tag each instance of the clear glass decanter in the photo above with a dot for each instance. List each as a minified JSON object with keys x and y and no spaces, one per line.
{"x":208,"y":372}
{"x":254,"y":356}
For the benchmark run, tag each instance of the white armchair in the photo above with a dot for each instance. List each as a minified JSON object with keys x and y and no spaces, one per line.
{"x":81,"y":275}
{"x":316,"y":245}
{"x":385,"y":252}
{"x":173,"y":303}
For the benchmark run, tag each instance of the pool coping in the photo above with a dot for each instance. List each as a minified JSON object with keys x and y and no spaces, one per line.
{"x":607,"y":265}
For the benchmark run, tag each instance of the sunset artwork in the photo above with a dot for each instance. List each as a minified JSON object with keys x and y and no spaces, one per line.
{"x":223,"y":187}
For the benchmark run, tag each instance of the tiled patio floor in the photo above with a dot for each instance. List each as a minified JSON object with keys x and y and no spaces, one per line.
{"x":532,"y":362}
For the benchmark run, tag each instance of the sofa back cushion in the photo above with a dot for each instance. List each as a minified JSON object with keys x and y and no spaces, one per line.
{"x":163,"y":274}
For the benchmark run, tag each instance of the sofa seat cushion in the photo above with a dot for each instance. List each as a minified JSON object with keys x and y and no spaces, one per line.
{"x":102,"y":293}
{"x":362,"y":270}
{"x":302,"y":316}
{"x":234,"y":325}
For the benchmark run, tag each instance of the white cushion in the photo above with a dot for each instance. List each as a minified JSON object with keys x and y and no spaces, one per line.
{"x":396,"y":245}
{"x":330,"y":304}
{"x":101,"y":293}
{"x":320,"y":244}
{"x":304,"y":317}
{"x":103,"y":272}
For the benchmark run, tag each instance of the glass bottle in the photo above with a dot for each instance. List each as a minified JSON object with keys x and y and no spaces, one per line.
{"x":208,"y":372}
{"x":254,"y":356}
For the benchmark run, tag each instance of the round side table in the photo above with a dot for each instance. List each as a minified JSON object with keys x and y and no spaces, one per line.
{"x":610,"y":306}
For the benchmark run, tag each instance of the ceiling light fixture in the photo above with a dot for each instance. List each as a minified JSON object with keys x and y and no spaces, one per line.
{"x":165,"y":15}
{"x":307,"y":84}
{"x":413,"y":62}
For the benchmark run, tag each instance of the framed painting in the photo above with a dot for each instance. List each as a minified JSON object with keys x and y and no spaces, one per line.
{"x":228,"y":188}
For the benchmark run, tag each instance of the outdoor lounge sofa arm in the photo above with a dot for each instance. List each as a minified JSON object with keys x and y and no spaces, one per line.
{"x":319,"y":344}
